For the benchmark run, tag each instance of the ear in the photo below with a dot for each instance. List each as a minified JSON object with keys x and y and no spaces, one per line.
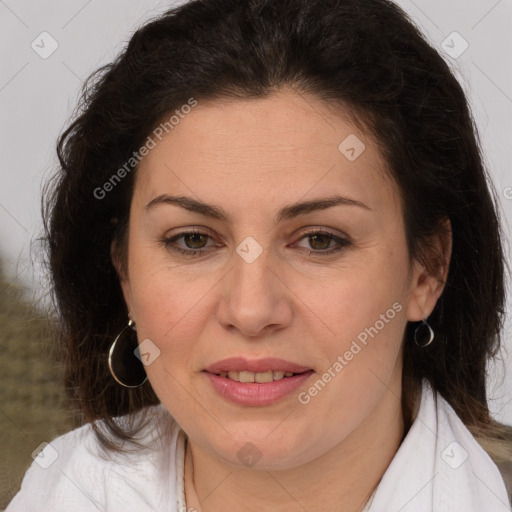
{"x":122,"y":273}
{"x":429,"y":276}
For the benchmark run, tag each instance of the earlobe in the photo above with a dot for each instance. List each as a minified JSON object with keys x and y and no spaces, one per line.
{"x":429,"y":278}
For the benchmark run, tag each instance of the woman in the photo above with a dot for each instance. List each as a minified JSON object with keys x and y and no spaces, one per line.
{"x":279,"y":271}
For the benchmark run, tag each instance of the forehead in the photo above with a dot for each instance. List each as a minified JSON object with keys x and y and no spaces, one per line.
{"x":282,"y":147}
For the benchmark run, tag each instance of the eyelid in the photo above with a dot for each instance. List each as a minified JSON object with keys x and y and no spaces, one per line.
{"x":314,"y":230}
{"x":168,"y":239}
{"x":202,"y":230}
{"x":342,"y":241}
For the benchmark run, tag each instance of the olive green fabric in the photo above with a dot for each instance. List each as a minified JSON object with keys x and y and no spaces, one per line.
{"x":32,"y":408}
{"x":506,"y":473}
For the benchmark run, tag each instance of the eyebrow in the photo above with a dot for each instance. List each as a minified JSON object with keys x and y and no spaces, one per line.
{"x":288,"y":212}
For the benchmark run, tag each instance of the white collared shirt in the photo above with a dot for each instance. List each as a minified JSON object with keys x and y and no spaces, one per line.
{"x":439,"y":467}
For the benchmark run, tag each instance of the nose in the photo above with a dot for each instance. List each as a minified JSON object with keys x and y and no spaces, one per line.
{"x":255,"y":299}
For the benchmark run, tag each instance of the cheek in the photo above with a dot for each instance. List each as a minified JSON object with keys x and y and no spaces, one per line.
{"x":367,"y":289}
{"x":361,"y":350}
{"x":171,"y":314}
{"x":165,"y":305}
{"x":172,"y":305}
{"x":363,"y":311}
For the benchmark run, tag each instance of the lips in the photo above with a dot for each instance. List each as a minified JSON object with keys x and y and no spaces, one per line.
{"x":240,"y":364}
{"x":255,"y":394}
{"x":256,"y":382}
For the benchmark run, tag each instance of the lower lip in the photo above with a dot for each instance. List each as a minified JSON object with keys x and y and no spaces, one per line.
{"x":254,"y":393}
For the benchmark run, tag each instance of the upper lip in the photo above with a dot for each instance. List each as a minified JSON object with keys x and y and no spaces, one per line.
{"x":240,"y":364}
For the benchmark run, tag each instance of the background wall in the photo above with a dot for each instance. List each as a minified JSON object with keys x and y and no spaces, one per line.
{"x":48,"y":48}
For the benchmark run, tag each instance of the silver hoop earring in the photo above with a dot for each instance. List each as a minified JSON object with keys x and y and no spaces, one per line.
{"x":425,"y":333}
{"x":126,"y":368}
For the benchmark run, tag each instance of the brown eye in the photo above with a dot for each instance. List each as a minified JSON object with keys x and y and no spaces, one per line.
{"x":320,"y":241}
{"x":189,"y":243}
{"x":195,"y":240}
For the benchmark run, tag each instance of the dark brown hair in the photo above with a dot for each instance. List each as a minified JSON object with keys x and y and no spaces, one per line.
{"x":366,"y":55}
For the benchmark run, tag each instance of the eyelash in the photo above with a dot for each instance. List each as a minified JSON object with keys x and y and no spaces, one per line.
{"x":343,"y":242}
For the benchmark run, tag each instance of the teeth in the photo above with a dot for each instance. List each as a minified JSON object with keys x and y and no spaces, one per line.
{"x":246,"y":377}
{"x":264,"y":377}
{"x":260,"y":377}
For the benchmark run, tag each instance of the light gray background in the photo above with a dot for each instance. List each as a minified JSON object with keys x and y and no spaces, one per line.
{"x":37,"y":96}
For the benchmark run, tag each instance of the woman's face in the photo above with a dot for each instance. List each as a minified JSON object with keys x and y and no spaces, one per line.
{"x":278,"y":274}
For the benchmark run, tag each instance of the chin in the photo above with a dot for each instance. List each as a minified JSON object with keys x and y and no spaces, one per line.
{"x":260,"y":449}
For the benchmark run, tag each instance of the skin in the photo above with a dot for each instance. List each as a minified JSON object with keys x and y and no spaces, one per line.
{"x":251,"y":158}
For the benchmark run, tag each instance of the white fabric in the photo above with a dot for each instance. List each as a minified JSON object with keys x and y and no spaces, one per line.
{"x":427,"y":474}
{"x":440,"y":467}
{"x":83,"y":479}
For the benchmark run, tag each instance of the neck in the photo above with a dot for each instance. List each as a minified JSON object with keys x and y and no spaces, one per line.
{"x":346,"y":474}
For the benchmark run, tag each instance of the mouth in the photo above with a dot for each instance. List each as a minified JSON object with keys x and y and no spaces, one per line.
{"x":259,"y":377}
{"x":247,"y":367}
{"x":256,"y":382}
